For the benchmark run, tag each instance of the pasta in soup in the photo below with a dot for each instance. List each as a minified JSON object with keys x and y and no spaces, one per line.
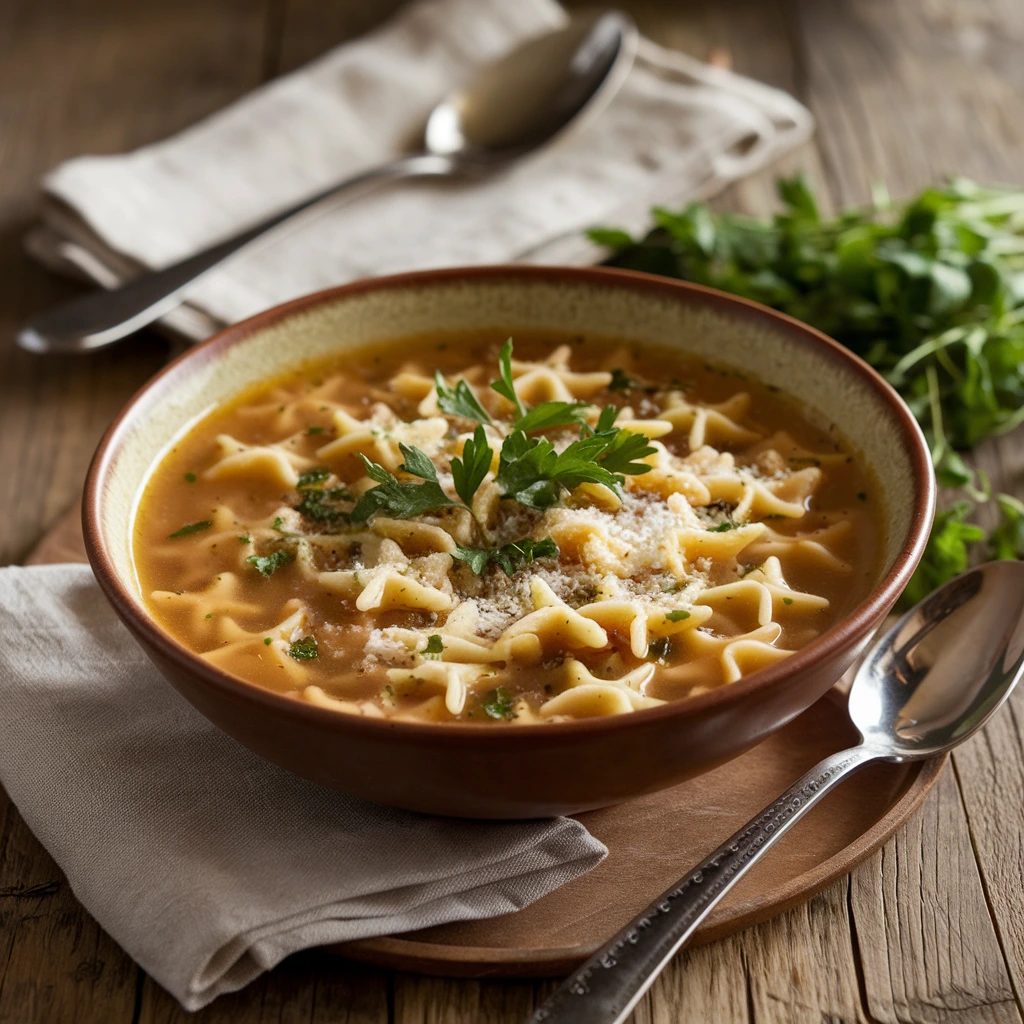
{"x":458,"y":530}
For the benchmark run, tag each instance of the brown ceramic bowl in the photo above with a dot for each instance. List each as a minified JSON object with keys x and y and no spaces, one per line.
{"x":534,"y":770}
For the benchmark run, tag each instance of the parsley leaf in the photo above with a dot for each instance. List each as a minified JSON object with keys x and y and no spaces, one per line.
{"x":318,"y":504}
{"x":677,"y":616}
{"x":304,"y":649}
{"x":460,"y":400}
{"x":724,"y":527}
{"x":469,"y":471}
{"x":624,"y":447}
{"x":504,"y":386}
{"x":499,"y":703}
{"x":551,"y":414}
{"x":620,"y":381}
{"x":945,"y":555}
{"x":531,"y":472}
{"x":267,"y":565}
{"x":510,"y":557}
{"x":397,"y":499}
{"x":434,"y":648}
{"x":189,"y":528}
{"x":312,"y":477}
{"x":1007,"y":539}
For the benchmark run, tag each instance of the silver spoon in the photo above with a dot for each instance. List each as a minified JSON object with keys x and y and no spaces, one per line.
{"x":510,"y":108}
{"x":931,"y":681}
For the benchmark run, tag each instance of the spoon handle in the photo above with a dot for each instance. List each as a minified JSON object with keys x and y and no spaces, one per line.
{"x":101,"y":317}
{"x":607,"y":987}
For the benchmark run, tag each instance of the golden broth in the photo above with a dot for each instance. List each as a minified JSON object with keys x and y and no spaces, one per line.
{"x":753,"y":532}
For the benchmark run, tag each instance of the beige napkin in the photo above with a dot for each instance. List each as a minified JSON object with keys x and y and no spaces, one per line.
{"x":206,"y":863}
{"x":678,"y":129}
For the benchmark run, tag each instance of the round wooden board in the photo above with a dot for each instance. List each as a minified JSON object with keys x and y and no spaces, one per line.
{"x":654,"y":840}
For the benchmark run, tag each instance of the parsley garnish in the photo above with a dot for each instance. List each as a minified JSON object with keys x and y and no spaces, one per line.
{"x":317,"y":504}
{"x":190,"y":478}
{"x":505,"y":387}
{"x":511,"y":557}
{"x":268,"y":640}
{"x":460,"y":400}
{"x":184,"y":531}
{"x":314,"y":430}
{"x":500,"y":704}
{"x":244,"y":538}
{"x":312,"y":477}
{"x":658,"y":650}
{"x":620,"y":381}
{"x":304,"y":649}
{"x":551,"y":414}
{"x":267,"y":565}
{"x":946,"y":554}
{"x":434,"y":648}
{"x":1007,"y":540}
{"x":397,"y":499}
{"x":469,"y":471}
{"x":724,"y":527}
{"x":677,"y":616}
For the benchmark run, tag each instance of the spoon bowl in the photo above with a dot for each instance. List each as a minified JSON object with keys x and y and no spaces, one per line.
{"x":937,"y":675}
{"x":522,"y":101}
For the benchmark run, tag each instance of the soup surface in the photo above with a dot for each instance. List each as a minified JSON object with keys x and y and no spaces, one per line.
{"x":459,"y":530}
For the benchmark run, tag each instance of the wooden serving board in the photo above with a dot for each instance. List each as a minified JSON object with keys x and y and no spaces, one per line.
{"x":654,"y":840}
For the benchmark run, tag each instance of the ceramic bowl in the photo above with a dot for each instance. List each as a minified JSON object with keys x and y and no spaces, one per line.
{"x":534,"y":770}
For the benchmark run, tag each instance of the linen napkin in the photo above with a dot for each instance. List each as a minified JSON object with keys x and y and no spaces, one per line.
{"x":678,"y":129}
{"x":206,"y":863}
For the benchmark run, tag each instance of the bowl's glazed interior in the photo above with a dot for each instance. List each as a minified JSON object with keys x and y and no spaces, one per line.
{"x":833,"y":387}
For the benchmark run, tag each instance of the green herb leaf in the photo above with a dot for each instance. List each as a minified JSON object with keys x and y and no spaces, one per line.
{"x":677,"y":616}
{"x":460,"y":400}
{"x":401,"y":500}
{"x":190,"y":528}
{"x":724,"y":527}
{"x":946,"y":554}
{"x":304,"y":649}
{"x":190,"y":478}
{"x":314,"y":430}
{"x":621,"y":381}
{"x":505,"y":386}
{"x":499,"y":703}
{"x":468,"y":472}
{"x":313,"y":477}
{"x":531,"y":472}
{"x":435,"y":646}
{"x":551,"y":414}
{"x":510,"y":557}
{"x":318,"y":504}
{"x":624,"y":449}
{"x":1007,"y":539}
{"x":659,"y":649}
{"x":267,"y":565}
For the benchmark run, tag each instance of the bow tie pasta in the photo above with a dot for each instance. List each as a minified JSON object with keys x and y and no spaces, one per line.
{"x":458,"y":530}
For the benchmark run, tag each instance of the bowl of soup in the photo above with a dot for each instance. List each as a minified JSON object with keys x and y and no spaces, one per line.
{"x":508,"y":542}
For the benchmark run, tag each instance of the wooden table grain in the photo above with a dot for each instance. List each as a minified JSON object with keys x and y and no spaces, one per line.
{"x":930,"y":929}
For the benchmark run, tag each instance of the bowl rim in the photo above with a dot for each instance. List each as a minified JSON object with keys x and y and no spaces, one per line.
{"x":853,"y":625}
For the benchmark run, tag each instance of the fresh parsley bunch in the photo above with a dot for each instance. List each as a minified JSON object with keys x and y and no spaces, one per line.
{"x":929,"y":292}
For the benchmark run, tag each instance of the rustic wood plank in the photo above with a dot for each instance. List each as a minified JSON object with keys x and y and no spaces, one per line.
{"x":56,"y":963}
{"x":927,"y":943}
{"x":990,"y":770}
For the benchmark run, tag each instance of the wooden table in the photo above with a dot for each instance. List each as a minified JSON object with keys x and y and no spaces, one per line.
{"x":930,"y":929}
